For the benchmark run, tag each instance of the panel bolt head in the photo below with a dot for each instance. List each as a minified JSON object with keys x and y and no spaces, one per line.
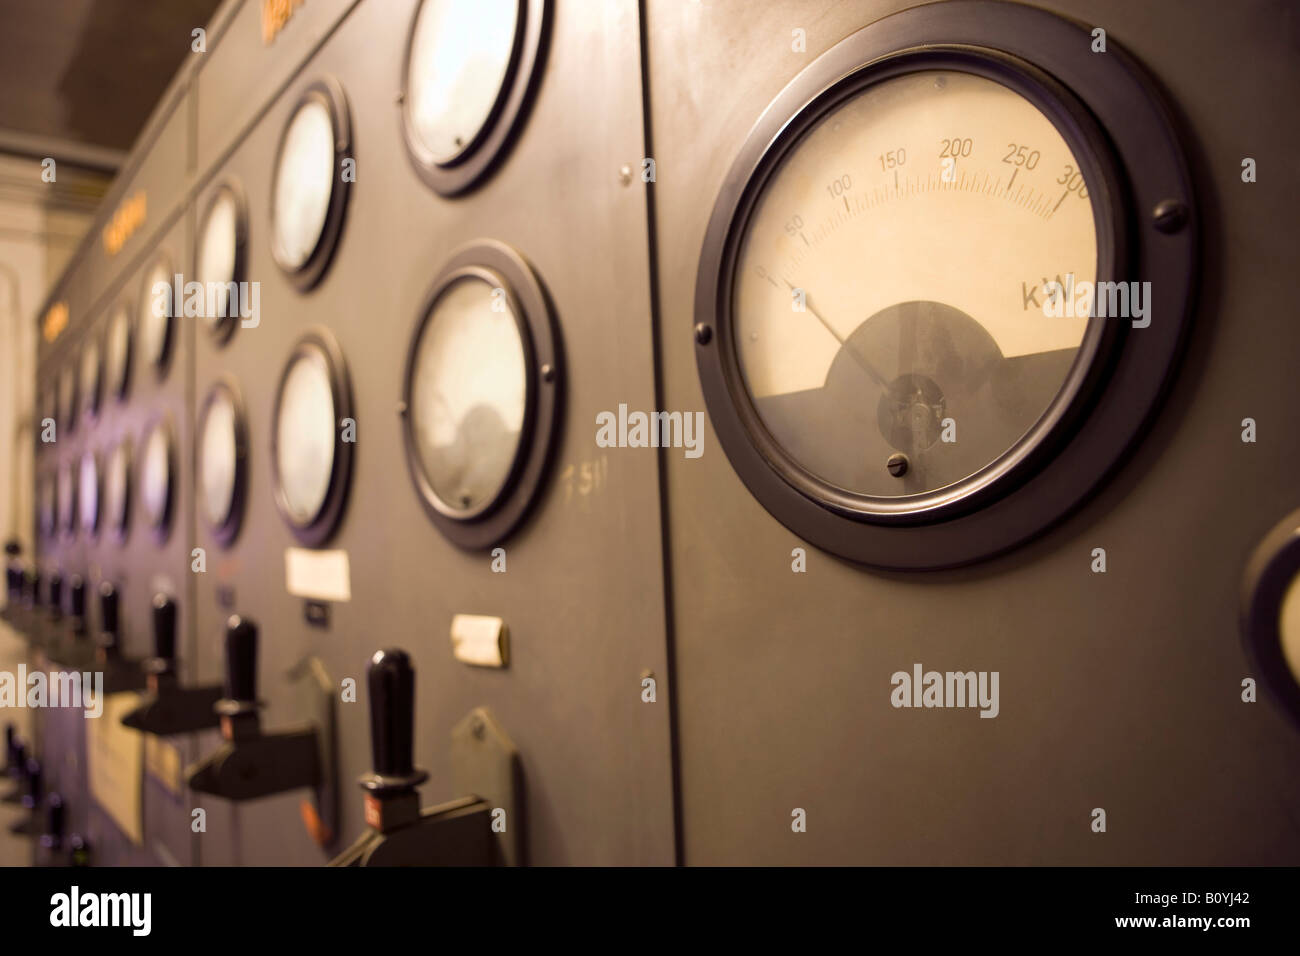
{"x":548,"y":372}
{"x":1170,"y":216}
{"x":625,"y":174}
{"x":478,"y":727}
{"x":897,"y":464}
{"x":704,"y":333}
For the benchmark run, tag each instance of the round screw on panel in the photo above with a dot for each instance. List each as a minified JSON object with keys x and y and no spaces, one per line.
{"x":897,"y":464}
{"x":703,"y":333}
{"x":1170,"y":216}
{"x":478,"y":727}
{"x":548,"y":373}
{"x":625,"y":174}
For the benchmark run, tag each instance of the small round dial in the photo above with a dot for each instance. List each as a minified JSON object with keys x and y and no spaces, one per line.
{"x":221,"y":460}
{"x":155,"y":316}
{"x":468,"y":395}
{"x":156,"y":480}
{"x":88,"y":493}
{"x":117,"y":485}
{"x":91,"y":368}
{"x":304,"y":183}
{"x":312,"y":435}
{"x":217,"y":259}
{"x":456,"y":72}
{"x":67,"y":498}
{"x":117,"y":348}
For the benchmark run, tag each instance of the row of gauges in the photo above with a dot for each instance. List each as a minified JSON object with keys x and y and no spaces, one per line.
{"x":480,"y":405}
{"x":482,"y":376}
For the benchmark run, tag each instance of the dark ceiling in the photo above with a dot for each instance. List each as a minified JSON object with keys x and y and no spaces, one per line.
{"x":89,"y":72}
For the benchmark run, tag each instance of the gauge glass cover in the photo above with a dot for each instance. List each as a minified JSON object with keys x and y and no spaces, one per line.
{"x":90,"y":370}
{"x":218,"y":458}
{"x":155,"y":315}
{"x":116,"y":485}
{"x":67,"y":498}
{"x":88,"y":493}
{"x":890,"y":282}
{"x":117,"y":348}
{"x":305,"y":437}
{"x":156,"y":476}
{"x":469,"y":395}
{"x":217,"y":253}
{"x":459,"y":62}
{"x":304,"y":182}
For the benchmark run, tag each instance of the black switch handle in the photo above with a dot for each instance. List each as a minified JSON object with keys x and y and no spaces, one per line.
{"x":77,"y":596}
{"x":108,"y":614}
{"x":164,"y":627}
{"x":33,"y":797}
{"x":54,"y":818}
{"x":32,"y":586}
{"x":241,"y":659}
{"x":53,"y":591}
{"x":392,"y":713}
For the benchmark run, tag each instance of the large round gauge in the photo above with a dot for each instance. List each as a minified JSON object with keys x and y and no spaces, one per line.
{"x":117,"y":352}
{"x":67,"y":493}
{"x":220,"y":258}
{"x":117,"y":489}
{"x":469,"y":69}
{"x":156,"y":475}
{"x":155,"y":320}
{"x":312,"y":437}
{"x":68,"y":399}
{"x":88,"y":493}
{"x":902,"y":318}
{"x":481,"y":390}
{"x":91,"y":376}
{"x":222,"y":460}
{"x":308,"y":192}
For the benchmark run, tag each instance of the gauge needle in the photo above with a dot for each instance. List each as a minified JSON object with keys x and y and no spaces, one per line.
{"x":858,"y":357}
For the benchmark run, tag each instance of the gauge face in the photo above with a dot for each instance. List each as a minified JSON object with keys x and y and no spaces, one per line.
{"x":468,"y":395}
{"x":889,"y":284}
{"x":67,"y":498}
{"x":310,"y":457}
{"x":457,"y":70}
{"x":217,"y":258}
{"x":88,"y":493}
{"x":91,"y":365}
{"x":117,"y":348}
{"x":155,"y":318}
{"x":221,"y":460}
{"x":304,"y":182}
{"x":68,"y":398}
{"x":117,"y":484}
{"x":156,"y":477}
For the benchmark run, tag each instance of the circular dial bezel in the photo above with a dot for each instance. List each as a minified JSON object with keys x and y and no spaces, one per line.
{"x":161,"y":364}
{"x":1088,"y":429}
{"x":328,"y":92}
{"x":500,"y":266}
{"x":220,"y":328}
{"x":68,"y":481}
{"x":227,"y":529}
{"x":159,"y":524}
{"x":319,"y":342}
{"x":493,"y":140}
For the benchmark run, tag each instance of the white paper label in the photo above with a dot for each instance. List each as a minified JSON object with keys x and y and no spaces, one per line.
{"x":317,"y":575}
{"x":479,"y":640}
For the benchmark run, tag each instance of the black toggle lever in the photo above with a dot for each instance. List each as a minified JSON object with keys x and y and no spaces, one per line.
{"x":250,"y":763}
{"x":457,"y":833}
{"x":169,"y":708}
{"x":31,"y":801}
{"x":67,"y":643}
{"x":120,"y":674}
